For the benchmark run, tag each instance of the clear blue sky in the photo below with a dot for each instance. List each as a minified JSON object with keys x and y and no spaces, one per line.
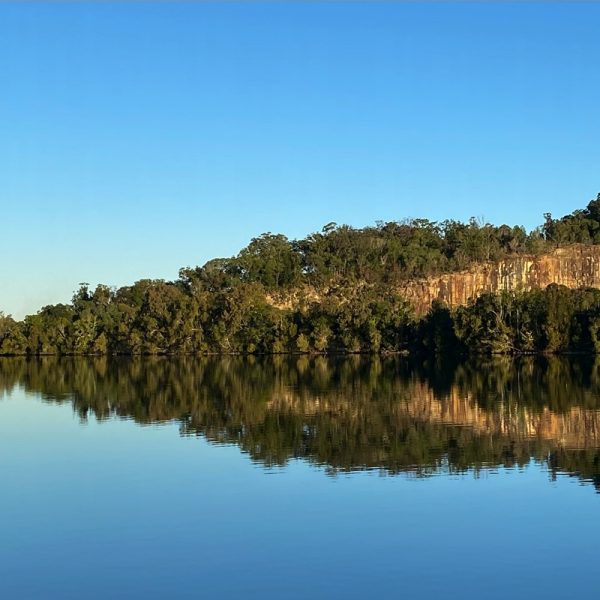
{"x":139,"y":138}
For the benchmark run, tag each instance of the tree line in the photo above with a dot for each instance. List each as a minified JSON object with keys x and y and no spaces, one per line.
{"x":263,"y":299}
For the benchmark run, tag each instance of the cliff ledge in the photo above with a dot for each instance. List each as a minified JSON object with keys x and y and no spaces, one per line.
{"x":572,"y":266}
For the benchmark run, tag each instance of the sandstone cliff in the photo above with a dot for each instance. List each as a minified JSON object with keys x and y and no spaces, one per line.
{"x":573,"y":266}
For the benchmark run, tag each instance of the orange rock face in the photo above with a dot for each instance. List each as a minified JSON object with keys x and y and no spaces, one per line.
{"x":574,"y":267}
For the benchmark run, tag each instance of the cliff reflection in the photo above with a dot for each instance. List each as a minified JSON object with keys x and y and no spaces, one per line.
{"x":347,"y":414}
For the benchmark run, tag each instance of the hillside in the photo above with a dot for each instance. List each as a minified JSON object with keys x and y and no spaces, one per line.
{"x":400,"y":286}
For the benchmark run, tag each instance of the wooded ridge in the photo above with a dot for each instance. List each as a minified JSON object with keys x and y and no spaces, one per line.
{"x":413,"y":285}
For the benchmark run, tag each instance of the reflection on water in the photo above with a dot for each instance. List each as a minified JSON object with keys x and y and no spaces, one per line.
{"x":347,"y":414}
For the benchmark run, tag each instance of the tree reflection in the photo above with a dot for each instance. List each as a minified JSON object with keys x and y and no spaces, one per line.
{"x":347,"y":414}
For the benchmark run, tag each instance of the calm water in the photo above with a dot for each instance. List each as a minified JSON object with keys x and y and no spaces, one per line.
{"x":299,"y":478}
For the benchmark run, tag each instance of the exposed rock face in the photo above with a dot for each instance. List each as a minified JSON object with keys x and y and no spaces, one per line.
{"x":573,"y":266}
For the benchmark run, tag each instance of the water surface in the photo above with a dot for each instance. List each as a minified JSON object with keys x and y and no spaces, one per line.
{"x":295,"y":478}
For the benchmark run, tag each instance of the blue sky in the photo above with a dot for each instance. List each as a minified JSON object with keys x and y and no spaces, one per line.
{"x":139,"y":138}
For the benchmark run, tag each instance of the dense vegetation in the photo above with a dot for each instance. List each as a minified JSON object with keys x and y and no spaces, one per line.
{"x":330,"y":292}
{"x":346,"y":414}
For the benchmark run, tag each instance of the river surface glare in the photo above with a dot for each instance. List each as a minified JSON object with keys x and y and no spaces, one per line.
{"x":301,"y":477}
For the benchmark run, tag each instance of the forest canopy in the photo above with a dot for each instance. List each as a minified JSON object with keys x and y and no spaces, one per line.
{"x":332,"y":291}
